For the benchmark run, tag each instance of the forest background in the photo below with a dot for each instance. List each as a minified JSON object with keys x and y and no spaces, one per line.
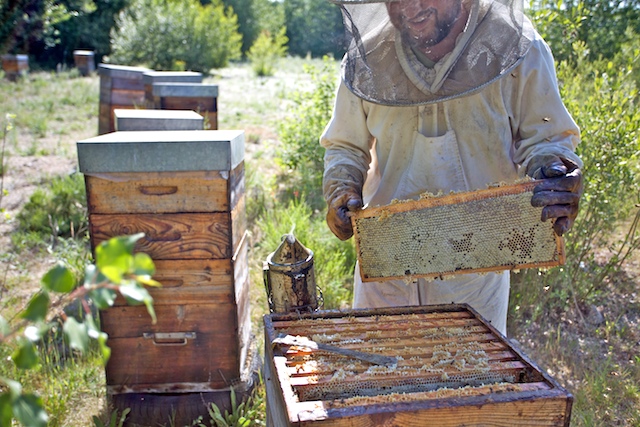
{"x":581,"y":322}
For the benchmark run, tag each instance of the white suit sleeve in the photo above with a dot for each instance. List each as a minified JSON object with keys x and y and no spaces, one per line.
{"x":541,"y":124}
{"x":346,"y":138}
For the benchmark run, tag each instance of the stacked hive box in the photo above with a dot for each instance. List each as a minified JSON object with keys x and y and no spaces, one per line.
{"x":152,"y":77}
{"x":120,"y":87}
{"x":185,"y":191}
{"x":452,"y":369}
{"x":202,"y":98}
{"x":143,"y":120}
{"x":85,"y":62}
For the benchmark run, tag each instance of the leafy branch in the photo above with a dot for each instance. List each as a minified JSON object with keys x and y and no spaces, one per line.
{"x":116,"y":270}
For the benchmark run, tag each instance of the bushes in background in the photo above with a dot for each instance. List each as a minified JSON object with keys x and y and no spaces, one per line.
{"x":176,"y":35}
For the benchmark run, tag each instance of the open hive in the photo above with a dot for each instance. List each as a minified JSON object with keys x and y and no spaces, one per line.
{"x":486,"y":230}
{"x":452,"y":369}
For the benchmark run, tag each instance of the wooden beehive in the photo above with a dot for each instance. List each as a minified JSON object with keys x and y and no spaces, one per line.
{"x":486,"y":230}
{"x":453,"y":369}
{"x":185,"y":191}
{"x":152,"y":77}
{"x":15,"y":66}
{"x":84,"y":61}
{"x":201,"y":98}
{"x":120,"y":87}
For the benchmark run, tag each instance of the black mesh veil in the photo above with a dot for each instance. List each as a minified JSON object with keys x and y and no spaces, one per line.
{"x":381,"y":68}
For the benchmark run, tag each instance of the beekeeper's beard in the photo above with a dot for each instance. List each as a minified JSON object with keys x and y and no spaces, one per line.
{"x":438,"y":25}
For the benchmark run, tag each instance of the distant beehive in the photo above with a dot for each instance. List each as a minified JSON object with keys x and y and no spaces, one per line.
{"x":84,"y":61}
{"x":453,"y":369}
{"x":120,"y":87}
{"x":481,"y":231}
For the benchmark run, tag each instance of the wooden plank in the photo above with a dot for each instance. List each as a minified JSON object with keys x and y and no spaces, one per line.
{"x":192,"y":282}
{"x":544,"y":412}
{"x":198,"y":104}
{"x":238,"y":224}
{"x":127,"y":97}
{"x":168,"y":236}
{"x":209,"y":357}
{"x":160,"y":192}
{"x":133,"y":321}
{"x":135,"y":84}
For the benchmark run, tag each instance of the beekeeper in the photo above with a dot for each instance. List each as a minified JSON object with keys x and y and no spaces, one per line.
{"x":440,"y":96}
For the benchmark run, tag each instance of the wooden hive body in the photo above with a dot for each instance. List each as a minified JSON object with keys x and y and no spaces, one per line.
{"x":84,"y":61}
{"x":120,"y":87}
{"x":194,"y":224}
{"x":15,"y":66}
{"x":453,"y":369}
{"x":201,"y":98}
{"x":481,"y":231}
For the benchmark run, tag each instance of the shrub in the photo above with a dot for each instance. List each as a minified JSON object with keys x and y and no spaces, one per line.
{"x":266,"y":51}
{"x":301,"y":151}
{"x":603,"y":100}
{"x":163,"y":33}
{"x":56,"y":210}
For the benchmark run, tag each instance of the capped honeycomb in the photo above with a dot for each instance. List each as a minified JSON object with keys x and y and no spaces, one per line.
{"x":439,"y":354}
{"x":481,"y":231}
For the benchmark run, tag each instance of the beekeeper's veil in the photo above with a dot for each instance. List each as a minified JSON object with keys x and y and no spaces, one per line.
{"x":380,"y":65}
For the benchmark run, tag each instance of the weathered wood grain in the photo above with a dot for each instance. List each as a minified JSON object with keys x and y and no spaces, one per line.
{"x":169,"y":236}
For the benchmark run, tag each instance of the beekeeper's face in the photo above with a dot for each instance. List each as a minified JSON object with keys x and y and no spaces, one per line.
{"x":424,"y":23}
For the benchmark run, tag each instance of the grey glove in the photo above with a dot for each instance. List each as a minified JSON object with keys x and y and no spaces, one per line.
{"x":342,"y":186}
{"x":559,"y":194}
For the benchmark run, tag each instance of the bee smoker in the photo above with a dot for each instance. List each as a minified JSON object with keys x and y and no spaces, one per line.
{"x":289,"y":278}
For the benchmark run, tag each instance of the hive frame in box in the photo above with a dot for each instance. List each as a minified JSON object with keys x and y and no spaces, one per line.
{"x":419,"y":238}
{"x":535,"y":399}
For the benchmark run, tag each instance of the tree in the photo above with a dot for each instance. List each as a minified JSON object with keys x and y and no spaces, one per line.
{"x":28,"y":22}
{"x":175,"y":35}
{"x":314,"y":27}
{"x":601,"y":26}
{"x":254,"y":17}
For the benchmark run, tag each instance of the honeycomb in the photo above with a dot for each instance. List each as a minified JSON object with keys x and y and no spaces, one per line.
{"x":438,"y":354}
{"x":487,"y":230}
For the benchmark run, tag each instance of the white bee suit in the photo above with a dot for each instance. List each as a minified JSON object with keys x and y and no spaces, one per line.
{"x":458,"y":144}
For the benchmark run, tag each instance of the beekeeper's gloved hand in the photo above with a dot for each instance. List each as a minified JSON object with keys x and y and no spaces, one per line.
{"x":560,"y":193}
{"x":342,"y":187}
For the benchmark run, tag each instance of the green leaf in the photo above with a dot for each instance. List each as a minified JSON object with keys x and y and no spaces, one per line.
{"x":135,"y":294}
{"x":25,"y":356}
{"x":6,"y":411}
{"x":4,"y":327}
{"x":114,"y":259}
{"x":104,"y":348}
{"x":143,"y":265}
{"x":29,"y":410}
{"x":76,"y":333}
{"x":15,"y":388}
{"x":148,"y":281}
{"x":59,"y":279}
{"x":102,"y":297}
{"x":37,"y":308}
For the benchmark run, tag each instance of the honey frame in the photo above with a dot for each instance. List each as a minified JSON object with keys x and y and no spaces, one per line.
{"x":555,"y":254}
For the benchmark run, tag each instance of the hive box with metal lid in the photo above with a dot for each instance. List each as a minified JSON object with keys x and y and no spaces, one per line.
{"x":201,"y":98}
{"x":452,"y":369}
{"x":121,"y":87}
{"x":185,"y":191}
